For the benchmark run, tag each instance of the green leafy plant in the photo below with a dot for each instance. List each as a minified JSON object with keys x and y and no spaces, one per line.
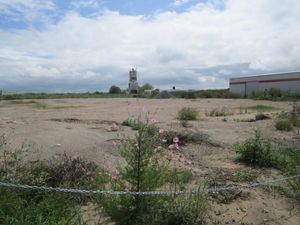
{"x":188,"y":113}
{"x":255,"y":151}
{"x":148,"y":168}
{"x":284,"y":125}
{"x":27,"y":208}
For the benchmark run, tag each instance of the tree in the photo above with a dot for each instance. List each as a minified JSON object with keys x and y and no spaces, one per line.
{"x":146,"y":86}
{"x":115,"y":90}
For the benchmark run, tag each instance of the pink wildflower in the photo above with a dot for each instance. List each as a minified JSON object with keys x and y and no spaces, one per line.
{"x":114,"y":143}
{"x":175,"y":139}
{"x":161,"y":130}
{"x":115,"y":126}
{"x":106,"y":166}
{"x":152,"y":120}
{"x":88,"y":173}
{"x":159,"y":147}
{"x":114,"y":176}
{"x":182,"y":158}
{"x":176,"y":146}
{"x":127,"y":189}
{"x":76,"y":157}
{"x":137,"y":146}
{"x":109,"y":129}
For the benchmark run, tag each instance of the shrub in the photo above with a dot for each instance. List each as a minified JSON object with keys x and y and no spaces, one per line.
{"x":255,"y":151}
{"x":284,"y":125}
{"x":24,"y":208}
{"x":147,"y":169}
{"x":188,"y":113}
{"x":220,"y":112}
{"x":115,"y":90}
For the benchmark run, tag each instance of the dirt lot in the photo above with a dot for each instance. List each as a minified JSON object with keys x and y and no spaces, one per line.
{"x":80,"y":126}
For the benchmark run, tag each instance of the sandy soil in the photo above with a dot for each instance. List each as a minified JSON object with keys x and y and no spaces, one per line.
{"x":79,"y":126}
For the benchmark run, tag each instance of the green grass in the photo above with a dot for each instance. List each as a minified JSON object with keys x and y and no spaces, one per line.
{"x":284,"y":125}
{"x":30,"y":208}
{"x":241,"y":175}
{"x":45,"y":106}
{"x":261,"y":108}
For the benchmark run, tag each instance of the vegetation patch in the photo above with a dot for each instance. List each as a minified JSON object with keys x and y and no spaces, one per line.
{"x":220,"y":112}
{"x":255,"y":151}
{"x":44,"y":106}
{"x":261,"y":108}
{"x":284,"y":125}
{"x":188,"y":113}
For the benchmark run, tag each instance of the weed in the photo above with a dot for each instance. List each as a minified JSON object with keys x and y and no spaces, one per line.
{"x":244,"y":176}
{"x":188,"y":113}
{"x":24,"y":208}
{"x":284,"y":125}
{"x":261,"y":108}
{"x":255,"y":151}
{"x":220,"y":112}
{"x":147,"y":169}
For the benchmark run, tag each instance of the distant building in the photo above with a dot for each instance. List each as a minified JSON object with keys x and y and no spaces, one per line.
{"x":133,"y":86}
{"x":245,"y":86}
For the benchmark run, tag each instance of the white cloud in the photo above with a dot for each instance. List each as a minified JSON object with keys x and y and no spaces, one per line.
{"x":178,"y":3}
{"x":24,"y":10}
{"x":165,"y":49}
{"x":205,"y":79}
{"x":94,"y":4}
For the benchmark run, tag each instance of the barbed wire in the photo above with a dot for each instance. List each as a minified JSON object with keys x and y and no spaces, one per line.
{"x":101,"y":192}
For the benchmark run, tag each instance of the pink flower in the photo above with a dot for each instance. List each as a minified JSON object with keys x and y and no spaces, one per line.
{"x":109,"y":130}
{"x":159,"y":147}
{"x":114,"y":176}
{"x":175,"y":139}
{"x":161,"y":130}
{"x":152,"y":120}
{"x":114,"y":143}
{"x":182,"y":158}
{"x":127,"y":189}
{"x":76,"y":157}
{"x":137,"y":146}
{"x":88,"y":173}
{"x":106,"y":166}
{"x":176,"y":146}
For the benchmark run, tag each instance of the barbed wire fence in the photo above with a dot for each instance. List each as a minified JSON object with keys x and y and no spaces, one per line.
{"x":149,"y":193}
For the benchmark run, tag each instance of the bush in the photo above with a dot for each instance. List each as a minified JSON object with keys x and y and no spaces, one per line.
{"x":147,"y":169}
{"x":115,"y":90}
{"x":25,"y":208}
{"x":220,"y":112}
{"x":255,"y":151}
{"x":188,"y":113}
{"x":284,"y":125}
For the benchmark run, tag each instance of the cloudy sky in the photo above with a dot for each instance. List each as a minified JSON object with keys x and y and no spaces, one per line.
{"x":89,"y":45}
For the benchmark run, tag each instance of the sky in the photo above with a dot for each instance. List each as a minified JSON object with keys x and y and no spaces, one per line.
{"x":89,"y":45}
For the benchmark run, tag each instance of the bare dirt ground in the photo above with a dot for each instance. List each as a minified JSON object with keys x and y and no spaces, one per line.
{"x":80,"y":126}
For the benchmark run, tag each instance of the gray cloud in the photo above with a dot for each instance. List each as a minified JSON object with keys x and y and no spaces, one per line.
{"x":200,"y":48}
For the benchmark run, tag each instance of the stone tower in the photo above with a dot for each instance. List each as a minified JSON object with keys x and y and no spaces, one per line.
{"x":133,"y":84}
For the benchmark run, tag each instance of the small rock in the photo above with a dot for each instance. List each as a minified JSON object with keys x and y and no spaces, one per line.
{"x":243,"y":210}
{"x":58,"y":145}
{"x":266,"y":220}
{"x":265,"y":211}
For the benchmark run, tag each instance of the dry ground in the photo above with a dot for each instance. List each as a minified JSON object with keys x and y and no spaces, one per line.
{"x":79,"y":126}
